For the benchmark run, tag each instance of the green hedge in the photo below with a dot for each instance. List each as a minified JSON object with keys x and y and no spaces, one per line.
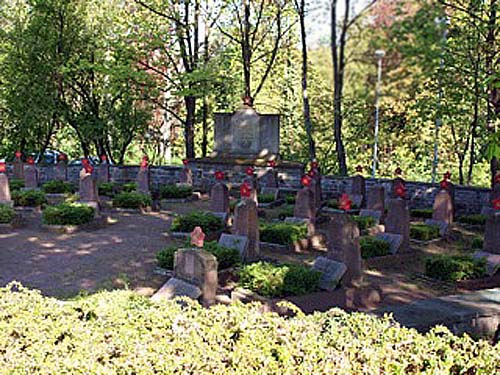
{"x":28,"y":198}
{"x":476,"y":219}
{"x":271,"y":280}
{"x":290,"y":199}
{"x":286,"y":211}
{"x":131,"y":200}
{"x":57,"y":187}
{"x":455,"y":267}
{"x":364,"y":222}
{"x":6,"y":214}
{"x":16,"y":184}
{"x":123,"y":333}
{"x":373,"y":247}
{"x":68,"y":214}
{"x":266,"y":198}
{"x":207,"y":221}
{"x":423,"y":232}
{"x":106,"y":189}
{"x":423,"y":213}
{"x":129,"y":187}
{"x":477,"y":242}
{"x":175,"y":192}
{"x":282,"y":233}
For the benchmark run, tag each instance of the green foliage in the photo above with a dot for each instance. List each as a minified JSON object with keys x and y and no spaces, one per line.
{"x":282,"y":233}
{"x":16,"y":184}
{"x":455,"y":267}
{"x":271,"y":280}
{"x":424,"y":213}
{"x":373,"y":247}
{"x":477,"y":242}
{"x":423,"y":232}
{"x":208,"y":222}
{"x":57,"y":187}
{"x":6,"y":214}
{"x":131,"y":200}
{"x":364,"y":222}
{"x":265,"y":198}
{"x":129,"y":187}
{"x":286,"y":211}
{"x":290,"y":198}
{"x":106,"y":189}
{"x":28,"y":198}
{"x":175,"y":192}
{"x":165,"y":257}
{"x":121,"y":332}
{"x":68,"y":214}
{"x":476,"y":219}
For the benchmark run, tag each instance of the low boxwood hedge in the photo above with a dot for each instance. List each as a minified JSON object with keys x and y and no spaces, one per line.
{"x":57,"y":187}
{"x":476,"y":219}
{"x":279,"y":280}
{"x":68,"y":214}
{"x":121,"y":332}
{"x":455,"y":267}
{"x":282,"y":233}
{"x":106,"y":189}
{"x":477,"y":242}
{"x":208,"y":222}
{"x":290,"y":198}
{"x":424,"y":232}
{"x":129,"y":187}
{"x":175,"y":192}
{"x":364,"y":222}
{"x":423,"y":213}
{"x":6,"y":214}
{"x":29,"y":198}
{"x":131,"y":200}
{"x":266,"y":198}
{"x":373,"y":247}
{"x":16,"y":184}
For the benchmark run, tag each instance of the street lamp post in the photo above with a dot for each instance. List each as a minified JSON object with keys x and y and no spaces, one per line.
{"x":379,"y":54}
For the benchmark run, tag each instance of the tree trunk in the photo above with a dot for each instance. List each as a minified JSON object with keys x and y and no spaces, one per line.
{"x":204,"y":141}
{"x":246,"y":50}
{"x":190,"y":102}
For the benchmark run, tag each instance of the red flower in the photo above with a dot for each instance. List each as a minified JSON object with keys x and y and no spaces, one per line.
{"x":88,"y":168}
{"x":144,"y":162}
{"x":306,"y":180}
{"x":249,"y":171}
{"x":62,"y":156}
{"x":3,"y":167}
{"x":85,"y":162}
{"x":272,"y":163}
{"x":497,"y":179}
{"x":245,"y":190}
{"x":185,"y":161}
{"x":104,"y":157}
{"x":359,"y":169}
{"x":344,"y":202}
{"x":400,"y":190}
{"x":447,"y":175}
{"x":30,"y":160}
{"x":398,"y":171}
{"x":444,"y":185}
{"x":19,"y":154}
{"x":496,"y":204}
{"x":219,"y":175}
{"x":314,"y":164}
{"x":311,"y":172}
{"x":197,"y":237}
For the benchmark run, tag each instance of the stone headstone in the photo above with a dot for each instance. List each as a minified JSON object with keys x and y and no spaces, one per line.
{"x":177,"y":288}
{"x":246,"y":223}
{"x":5,"y":197}
{"x":252,"y":181}
{"x":492,"y":234}
{"x":103,"y":172}
{"x":394,"y":240}
{"x":492,"y":261}
{"x":270,"y":179}
{"x":398,"y":220}
{"x":30,"y":176}
{"x":304,"y":204}
{"x":331,"y":272}
{"x":443,"y":207}
{"x":219,"y":198}
{"x":143,"y":180}
{"x":199,"y":268}
{"x":18,"y":171}
{"x":61,"y":171}
{"x":186,"y":176}
{"x":358,"y":191}
{"x":375,"y":198}
{"x":87,"y":187}
{"x":342,"y":240}
{"x":233,"y":241}
{"x":394,"y":184}
{"x":376,"y":214}
{"x":443,"y":226}
{"x":316,"y":188}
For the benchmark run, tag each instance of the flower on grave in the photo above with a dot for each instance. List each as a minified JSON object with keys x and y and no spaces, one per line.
{"x":359,"y":169}
{"x":30,"y":160}
{"x":197,"y":237}
{"x":400,"y":190}
{"x":344,"y":202}
{"x":272,"y":163}
{"x":311,"y":173}
{"x":144,"y":162}
{"x":398,"y":171}
{"x":219,"y":175}
{"x":497,"y":179}
{"x":62,"y":157}
{"x":248,"y":100}
{"x":314,"y":164}
{"x":496,"y":204}
{"x":447,"y":175}
{"x":86,"y":165}
{"x":245,"y":190}
{"x":3,"y":167}
{"x":444,"y":184}
{"x":104,"y":158}
{"x":249,"y":171}
{"x":19,"y":154}
{"x":185,"y":162}
{"x":306,"y":180}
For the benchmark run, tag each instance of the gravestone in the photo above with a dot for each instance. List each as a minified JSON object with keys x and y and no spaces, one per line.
{"x":394,"y":184}
{"x":270,"y":179}
{"x":177,"y":288}
{"x":103,"y":172}
{"x":316,"y":188}
{"x":143,"y":180}
{"x":358,"y":191}
{"x":270,"y":191}
{"x":186,"y":176}
{"x":304,"y":204}
{"x":219,"y":198}
{"x":342,"y":239}
{"x":375,"y":199}
{"x":233,"y":241}
{"x":30,"y":176}
{"x":5,"y":197}
{"x":331,"y":272}
{"x":18,"y":171}
{"x":87,"y":187}
{"x":376,"y":214}
{"x":246,"y":223}
{"x":394,"y":240}
{"x":443,"y":207}
{"x":61,"y":171}
{"x":398,"y":221}
{"x":442,"y":225}
{"x":492,"y":234}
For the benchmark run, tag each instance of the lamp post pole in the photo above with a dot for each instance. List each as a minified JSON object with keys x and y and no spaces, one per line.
{"x":379,"y":54}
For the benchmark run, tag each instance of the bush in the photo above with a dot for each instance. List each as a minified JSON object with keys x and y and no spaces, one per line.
{"x":266,"y":198}
{"x":175,"y":192}
{"x":290,"y":199}
{"x":57,"y":187}
{"x":207,"y":221}
{"x":286,"y":211}
{"x":121,"y":332}
{"x":373,"y":247}
{"x":131,"y":200}
{"x":16,"y":184}
{"x":68,"y":214}
{"x":364,"y":222}
{"x":423,"y":213}
{"x":106,"y":189}
{"x":165,"y":257}
{"x":28,"y":198}
{"x":424,"y":232}
{"x":129,"y":187}
{"x":282,"y":233}
{"x":476,"y":219}
{"x":6,"y":214}
{"x":455,"y":267}
{"x":272,"y":280}
{"x":477,"y":242}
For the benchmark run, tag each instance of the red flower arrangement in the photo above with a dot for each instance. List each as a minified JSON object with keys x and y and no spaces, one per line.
{"x":271,"y":163}
{"x":185,"y":162}
{"x":3,"y":167}
{"x":344,"y":202}
{"x":219,"y":175}
{"x":359,"y":169}
{"x":104,"y":157}
{"x":62,"y":157}
{"x":496,"y":204}
{"x":19,"y":154}
{"x":447,"y":175}
{"x":249,"y":171}
{"x":398,"y":171}
{"x":444,"y":185}
{"x":306,"y":180}
{"x":400,"y":190}
{"x":314,"y":164}
{"x":144,"y":162}
{"x":245,"y":190}
{"x":30,"y":160}
{"x":311,"y":173}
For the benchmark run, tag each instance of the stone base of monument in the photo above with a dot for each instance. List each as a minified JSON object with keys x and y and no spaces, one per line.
{"x":55,"y":199}
{"x":98,"y":223}
{"x":492,"y":261}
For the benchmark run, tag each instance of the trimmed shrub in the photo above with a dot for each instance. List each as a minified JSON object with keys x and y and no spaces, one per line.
{"x":68,"y":214}
{"x":131,"y":200}
{"x":455,"y":267}
{"x":207,"y":221}
{"x":28,"y":198}
{"x":57,"y":187}
{"x":165,"y":257}
{"x":266,"y":198}
{"x":16,"y":184}
{"x":129,"y":187}
{"x":373,"y":247}
{"x":282,"y":233}
{"x":286,"y":211}
{"x":106,"y":189}
{"x":477,"y":242}
{"x":424,"y":232}
{"x":271,"y":280}
{"x":6,"y":214}
{"x":121,"y":332}
{"x":175,"y":192}
{"x":364,"y":222}
{"x":290,"y":199}
{"x":423,"y":213}
{"x":476,"y":219}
